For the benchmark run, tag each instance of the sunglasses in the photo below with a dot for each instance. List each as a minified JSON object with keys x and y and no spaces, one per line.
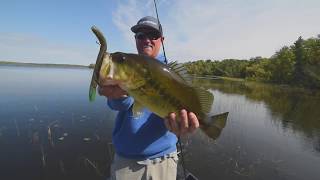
{"x":150,"y":35}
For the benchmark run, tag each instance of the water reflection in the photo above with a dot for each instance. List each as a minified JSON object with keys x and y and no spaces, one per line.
{"x":272,"y":133}
{"x":293,"y":109}
{"x":49,"y":130}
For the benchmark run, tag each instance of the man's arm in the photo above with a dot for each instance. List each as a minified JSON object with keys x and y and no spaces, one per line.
{"x":117,"y":98}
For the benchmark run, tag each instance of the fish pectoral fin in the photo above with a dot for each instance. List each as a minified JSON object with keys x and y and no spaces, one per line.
{"x":137,"y":84}
{"x":215,"y":125}
{"x":137,"y":109}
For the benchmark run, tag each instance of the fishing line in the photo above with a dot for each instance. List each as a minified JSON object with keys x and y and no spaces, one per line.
{"x":165,"y":59}
{"x":164,"y":52}
{"x":182,"y":158}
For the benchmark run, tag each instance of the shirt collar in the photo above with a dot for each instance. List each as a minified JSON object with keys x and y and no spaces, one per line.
{"x":161,"y":58}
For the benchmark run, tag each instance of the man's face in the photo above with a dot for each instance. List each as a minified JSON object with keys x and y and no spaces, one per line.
{"x":148,"y":42}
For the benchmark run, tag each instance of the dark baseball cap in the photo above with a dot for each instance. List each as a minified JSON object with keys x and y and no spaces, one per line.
{"x":147,"y":22}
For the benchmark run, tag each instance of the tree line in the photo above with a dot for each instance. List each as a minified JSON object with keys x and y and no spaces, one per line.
{"x":298,"y":64}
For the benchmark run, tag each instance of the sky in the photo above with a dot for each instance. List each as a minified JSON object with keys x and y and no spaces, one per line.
{"x":58,"y":31}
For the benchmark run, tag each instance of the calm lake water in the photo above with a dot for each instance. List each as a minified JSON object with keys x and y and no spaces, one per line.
{"x":49,"y":130}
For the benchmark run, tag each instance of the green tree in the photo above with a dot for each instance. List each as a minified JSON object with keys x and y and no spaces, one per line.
{"x":299,"y":60}
{"x":282,"y":65}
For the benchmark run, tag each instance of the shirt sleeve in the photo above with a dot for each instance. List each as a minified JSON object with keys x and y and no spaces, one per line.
{"x":120,"y":104}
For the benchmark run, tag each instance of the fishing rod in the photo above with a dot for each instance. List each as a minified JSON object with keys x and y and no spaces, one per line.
{"x":190,"y":176}
{"x":164,"y":52}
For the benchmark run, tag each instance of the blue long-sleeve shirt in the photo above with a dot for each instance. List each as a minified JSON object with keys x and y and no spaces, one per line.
{"x":142,"y":137}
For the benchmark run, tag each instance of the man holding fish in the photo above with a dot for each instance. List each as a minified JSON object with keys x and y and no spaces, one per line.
{"x":156,"y":102}
{"x":145,"y":144}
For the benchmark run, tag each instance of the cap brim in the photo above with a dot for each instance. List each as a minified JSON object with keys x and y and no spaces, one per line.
{"x":137,"y":27}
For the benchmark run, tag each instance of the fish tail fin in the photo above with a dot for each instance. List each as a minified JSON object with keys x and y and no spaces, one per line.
{"x":92,"y":90}
{"x":215,"y":124}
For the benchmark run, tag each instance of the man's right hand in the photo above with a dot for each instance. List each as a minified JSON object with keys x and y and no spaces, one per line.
{"x":112,"y":92}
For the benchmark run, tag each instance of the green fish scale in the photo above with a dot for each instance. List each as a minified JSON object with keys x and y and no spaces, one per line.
{"x":171,"y":100}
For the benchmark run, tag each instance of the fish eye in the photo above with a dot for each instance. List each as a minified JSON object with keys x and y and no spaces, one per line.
{"x":122,"y":58}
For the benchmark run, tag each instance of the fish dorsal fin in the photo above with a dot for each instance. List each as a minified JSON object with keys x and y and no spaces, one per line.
{"x":205,"y":98}
{"x":180,"y":70}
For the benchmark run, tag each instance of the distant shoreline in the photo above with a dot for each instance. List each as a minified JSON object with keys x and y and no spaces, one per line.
{"x":10,"y":63}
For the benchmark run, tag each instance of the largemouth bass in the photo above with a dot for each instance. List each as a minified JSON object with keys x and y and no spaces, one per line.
{"x":159,"y":87}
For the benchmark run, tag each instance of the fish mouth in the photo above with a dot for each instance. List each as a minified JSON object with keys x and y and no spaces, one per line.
{"x":105,"y":69}
{"x":110,"y":82}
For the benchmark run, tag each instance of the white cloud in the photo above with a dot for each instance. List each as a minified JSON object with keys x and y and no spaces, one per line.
{"x":207,"y":29}
{"x":129,"y":12}
{"x":27,"y":48}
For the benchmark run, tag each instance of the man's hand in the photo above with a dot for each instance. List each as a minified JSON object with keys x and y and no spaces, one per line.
{"x":112,"y":92}
{"x":187,"y":123}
